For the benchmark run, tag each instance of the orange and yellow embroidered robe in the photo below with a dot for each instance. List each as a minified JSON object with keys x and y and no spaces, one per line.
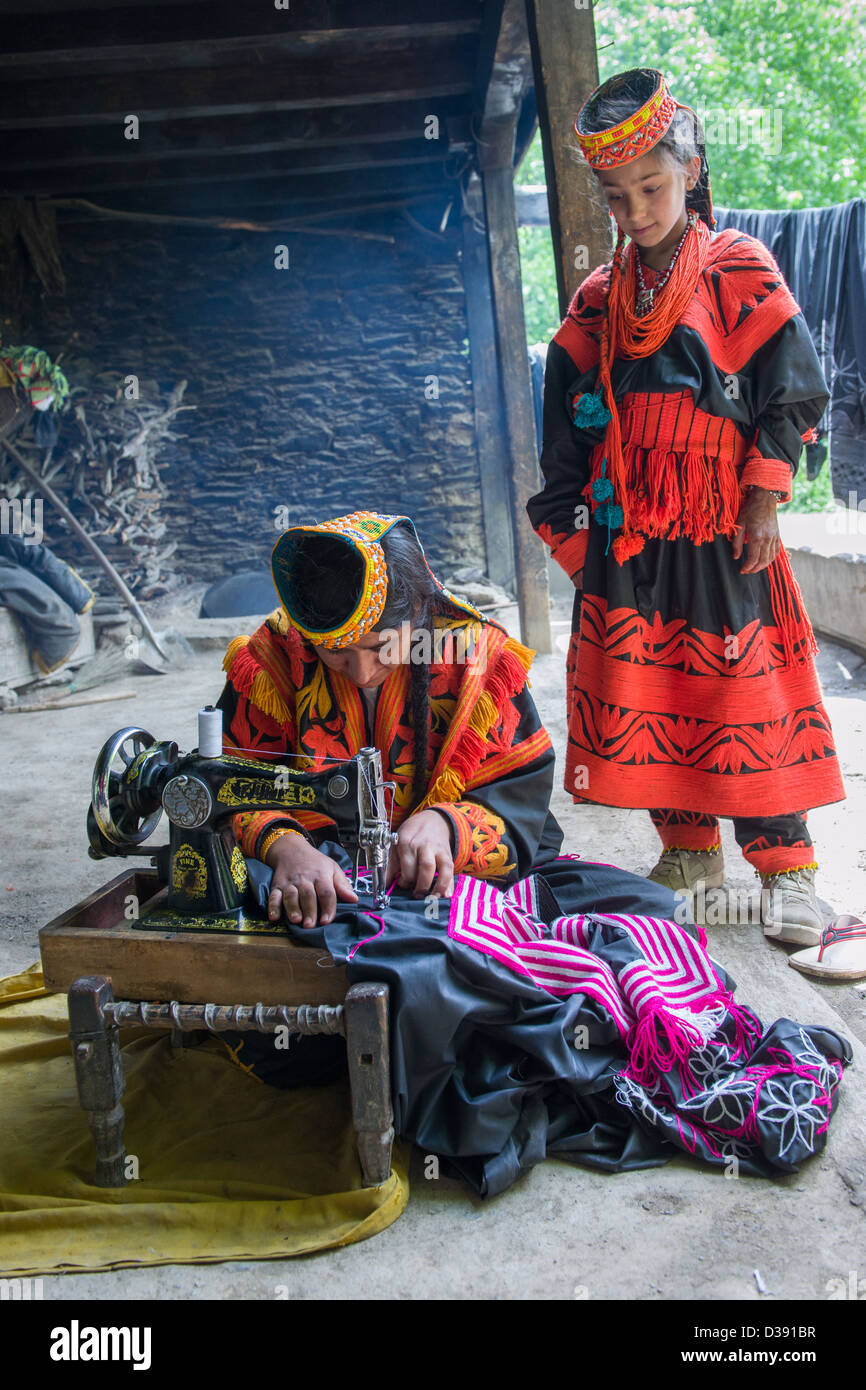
{"x":490,"y":761}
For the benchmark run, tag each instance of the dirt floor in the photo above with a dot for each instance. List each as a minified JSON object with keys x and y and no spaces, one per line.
{"x":676,"y":1232}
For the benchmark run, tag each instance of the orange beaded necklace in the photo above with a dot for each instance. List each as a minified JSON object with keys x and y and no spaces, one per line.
{"x":628,"y":334}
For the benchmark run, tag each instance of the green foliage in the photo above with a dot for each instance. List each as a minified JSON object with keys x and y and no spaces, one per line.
{"x":816,"y":496}
{"x":800,"y":65}
{"x":540,"y":302}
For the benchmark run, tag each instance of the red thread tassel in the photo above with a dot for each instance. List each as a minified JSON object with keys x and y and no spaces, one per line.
{"x":789,"y":612}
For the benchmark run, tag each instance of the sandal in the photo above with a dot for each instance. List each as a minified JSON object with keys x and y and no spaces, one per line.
{"x":840,"y":954}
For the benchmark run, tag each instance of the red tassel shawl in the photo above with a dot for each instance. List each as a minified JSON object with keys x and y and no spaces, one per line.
{"x":307,"y":709}
{"x":731,"y":293}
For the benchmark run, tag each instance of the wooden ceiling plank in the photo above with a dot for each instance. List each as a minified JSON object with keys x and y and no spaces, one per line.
{"x":30,"y":7}
{"x":87,"y":180}
{"x":202,"y":50}
{"x":239,"y":136}
{"x":301,"y":14}
{"x":306,"y":210}
{"x":323,"y":191}
{"x":165,"y":95}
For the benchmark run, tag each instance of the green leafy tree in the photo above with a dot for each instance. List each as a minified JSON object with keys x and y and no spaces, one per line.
{"x":780,"y":84}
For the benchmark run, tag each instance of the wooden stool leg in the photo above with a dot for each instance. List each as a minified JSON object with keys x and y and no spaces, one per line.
{"x":99,"y":1072}
{"x":370,"y":1079}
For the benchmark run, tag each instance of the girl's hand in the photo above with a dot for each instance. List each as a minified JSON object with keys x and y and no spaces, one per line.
{"x":758,"y":528}
{"x":306,"y":883}
{"x":422,"y":853}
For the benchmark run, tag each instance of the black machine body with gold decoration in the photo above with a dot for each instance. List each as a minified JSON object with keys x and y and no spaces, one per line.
{"x":136,"y":778}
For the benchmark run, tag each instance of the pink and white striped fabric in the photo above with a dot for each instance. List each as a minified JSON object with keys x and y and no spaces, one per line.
{"x":665,"y":1002}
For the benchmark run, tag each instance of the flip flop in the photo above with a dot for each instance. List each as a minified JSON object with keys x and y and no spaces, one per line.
{"x":840,"y":954}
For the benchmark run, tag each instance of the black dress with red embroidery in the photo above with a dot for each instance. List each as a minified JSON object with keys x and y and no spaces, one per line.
{"x":690,"y":685}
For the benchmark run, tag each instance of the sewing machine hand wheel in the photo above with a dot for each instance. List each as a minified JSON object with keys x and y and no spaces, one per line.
{"x":120,"y":825}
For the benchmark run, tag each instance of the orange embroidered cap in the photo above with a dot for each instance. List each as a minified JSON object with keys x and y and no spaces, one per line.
{"x":641,"y":131}
{"x":633,"y":137}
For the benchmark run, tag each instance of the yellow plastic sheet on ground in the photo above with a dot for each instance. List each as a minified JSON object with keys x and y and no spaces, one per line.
{"x":228,"y":1168}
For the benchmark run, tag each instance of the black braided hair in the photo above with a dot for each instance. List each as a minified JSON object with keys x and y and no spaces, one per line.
{"x":414,"y":597}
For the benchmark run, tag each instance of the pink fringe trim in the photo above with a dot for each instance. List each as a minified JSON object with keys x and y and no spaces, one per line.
{"x":657,"y":1042}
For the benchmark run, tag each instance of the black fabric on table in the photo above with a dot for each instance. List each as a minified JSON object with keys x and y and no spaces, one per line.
{"x":484,"y":1070}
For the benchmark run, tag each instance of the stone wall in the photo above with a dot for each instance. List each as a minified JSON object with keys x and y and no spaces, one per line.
{"x":308,"y":382}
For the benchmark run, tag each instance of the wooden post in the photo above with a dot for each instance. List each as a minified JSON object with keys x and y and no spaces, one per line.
{"x":562,"y":42}
{"x":503,"y":86}
{"x":366,"y":1015}
{"x":494,"y":464}
{"x":99,"y":1073}
{"x":498,"y":182}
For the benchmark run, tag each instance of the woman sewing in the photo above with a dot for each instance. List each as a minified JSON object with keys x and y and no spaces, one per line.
{"x":539,"y":1003}
{"x":678,"y":392}
{"x":342,"y":665}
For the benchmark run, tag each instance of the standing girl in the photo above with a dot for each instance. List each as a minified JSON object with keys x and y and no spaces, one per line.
{"x":678,"y":392}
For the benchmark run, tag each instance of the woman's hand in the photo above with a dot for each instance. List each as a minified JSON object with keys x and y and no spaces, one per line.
{"x":758,"y":527}
{"x":306,"y":883}
{"x":422,"y":853}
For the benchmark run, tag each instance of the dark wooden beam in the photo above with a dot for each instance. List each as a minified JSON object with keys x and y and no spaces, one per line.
{"x":20,"y":8}
{"x":527,"y":123}
{"x":395,"y":73}
{"x":315,"y":193}
{"x":228,"y":138}
{"x":180,"y":40}
{"x":564,"y":60}
{"x":503,"y":101}
{"x":301,"y":14}
{"x":89,"y":180}
{"x":491,"y":23}
{"x":345,"y":209}
{"x":494,"y":464}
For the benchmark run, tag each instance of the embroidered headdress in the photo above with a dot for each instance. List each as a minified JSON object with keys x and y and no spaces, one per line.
{"x":354,"y":544}
{"x":641,"y":131}
{"x":628,"y":332}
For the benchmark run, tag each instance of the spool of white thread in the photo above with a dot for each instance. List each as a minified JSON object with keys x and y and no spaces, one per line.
{"x":210,"y":732}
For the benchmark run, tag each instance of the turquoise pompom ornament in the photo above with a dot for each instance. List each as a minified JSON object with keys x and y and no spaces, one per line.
{"x":602,"y":488}
{"x":590,"y":411}
{"x":608,"y":512}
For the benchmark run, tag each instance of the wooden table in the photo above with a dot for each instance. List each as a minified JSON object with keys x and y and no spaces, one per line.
{"x":119,"y":974}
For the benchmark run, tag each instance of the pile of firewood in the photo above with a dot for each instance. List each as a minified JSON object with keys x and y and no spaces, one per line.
{"x":106,"y":467}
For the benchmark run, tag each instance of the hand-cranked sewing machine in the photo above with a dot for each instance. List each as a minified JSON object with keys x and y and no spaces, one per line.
{"x":201,"y":791}
{"x":164,"y":941}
